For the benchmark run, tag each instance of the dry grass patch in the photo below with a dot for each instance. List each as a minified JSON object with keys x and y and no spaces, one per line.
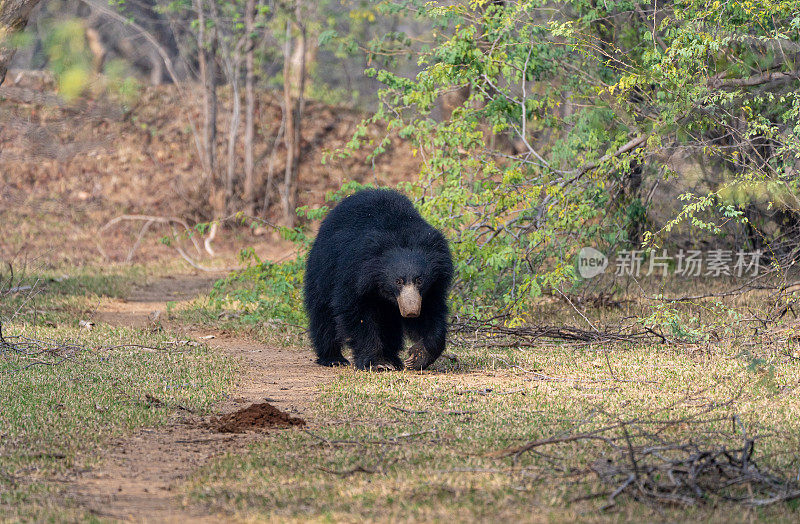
{"x":65,"y":390}
{"x":420,"y":447}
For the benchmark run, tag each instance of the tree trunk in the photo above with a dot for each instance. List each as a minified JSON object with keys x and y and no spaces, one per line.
{"x":217,"y":195}
{"x":232,"y":64}
{"x":98,"y":50}
{"x":250,"y":106}
{"x":202,"y":58}
{"x":236,"y":111}
{"x":293,"y":104}
{"x":13,"y":17}
{"x":212,"y":68}
{"x":287,"y":112}
{"x":271,"y":170}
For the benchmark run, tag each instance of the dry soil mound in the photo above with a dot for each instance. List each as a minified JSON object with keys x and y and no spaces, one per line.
{"x":256,"y":416}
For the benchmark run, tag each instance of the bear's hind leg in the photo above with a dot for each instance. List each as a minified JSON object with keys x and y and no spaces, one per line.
{"x":326,"y":343}
{"x":360,"y":328}
{"x":392,"y":342}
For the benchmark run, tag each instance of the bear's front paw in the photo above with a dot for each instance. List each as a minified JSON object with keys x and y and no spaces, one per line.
{"x":394,"y":361}
{"x":333,"y":362}
{"x":418,"y":357}
{"x":378,"y":365}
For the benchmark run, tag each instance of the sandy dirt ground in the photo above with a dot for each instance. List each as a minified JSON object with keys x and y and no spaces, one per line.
{"x":138,"y":476}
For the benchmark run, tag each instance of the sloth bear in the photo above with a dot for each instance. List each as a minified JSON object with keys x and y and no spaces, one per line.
{"x":377,"y":271}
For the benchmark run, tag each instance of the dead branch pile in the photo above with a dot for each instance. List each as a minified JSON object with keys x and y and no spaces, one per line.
{"x":26,"y":352}
{"x":691,"y":473}
{"x":693,"y":460}
{"x":30,"y":352}
{"x":493,"y":333}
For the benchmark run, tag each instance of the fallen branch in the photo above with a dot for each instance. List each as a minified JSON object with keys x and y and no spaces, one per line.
{"x":527,"y":335}
{"x":518,"y":450}
{"x":348,"y":472}
{"x":425,"y":411}
{"x":391,"y":440}
{"x":686,"y":461}
{"x":31,"y":352}
{"x":149,"y":220}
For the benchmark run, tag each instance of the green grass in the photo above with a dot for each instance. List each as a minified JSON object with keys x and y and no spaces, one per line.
{"x":205,"y":312}
{"x":383,"y":446}
{"x":66,"y":297}
{"x":432,"y":464}
{"x":59,"y":408}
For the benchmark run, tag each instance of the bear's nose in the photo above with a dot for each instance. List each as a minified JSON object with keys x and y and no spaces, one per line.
{"x":409,"y":301}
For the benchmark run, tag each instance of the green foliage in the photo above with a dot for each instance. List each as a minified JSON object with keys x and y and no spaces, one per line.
{"x":515,"y":221}
{"x":694,"y":323}
{"x":566,"y":108}
{"x":265,"y":290}
{"x":69,"y":57}
{"x":120,"y":81}
{"x":675,"y":324}
{"x":572,"y":88}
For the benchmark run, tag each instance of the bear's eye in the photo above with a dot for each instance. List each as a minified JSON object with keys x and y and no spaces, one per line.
{"x":418,"y":281}
{"x":399,"y":281}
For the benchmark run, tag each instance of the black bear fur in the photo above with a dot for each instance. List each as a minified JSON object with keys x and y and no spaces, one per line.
{"x":372,"y":244}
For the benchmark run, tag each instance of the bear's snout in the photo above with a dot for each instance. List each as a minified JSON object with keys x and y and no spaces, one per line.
{"x":409,"y":301}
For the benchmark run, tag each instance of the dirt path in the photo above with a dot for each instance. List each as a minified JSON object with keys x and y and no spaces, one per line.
{"x":138,"y":475}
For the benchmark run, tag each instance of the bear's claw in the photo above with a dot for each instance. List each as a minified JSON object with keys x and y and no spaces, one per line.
{"x":336,"y":362}
{"x":417,"y":357}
